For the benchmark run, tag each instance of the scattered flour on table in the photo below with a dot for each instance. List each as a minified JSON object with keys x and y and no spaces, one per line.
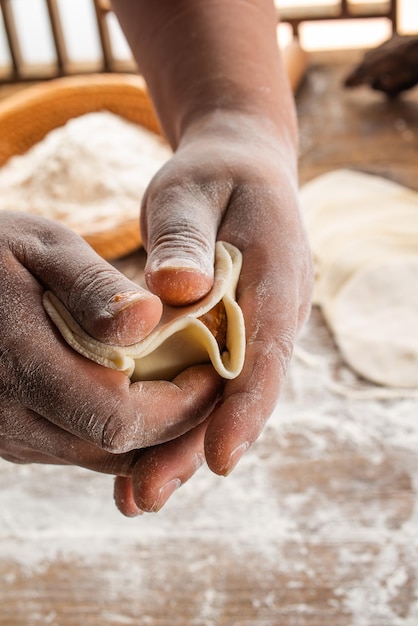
{"x":94,"y":170}
{"x":326,"y":500}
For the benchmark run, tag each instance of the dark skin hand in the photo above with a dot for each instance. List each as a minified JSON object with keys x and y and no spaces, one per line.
{"x":219,"y":88}
{"x":56,"y":406}
{"x":390,"y":68}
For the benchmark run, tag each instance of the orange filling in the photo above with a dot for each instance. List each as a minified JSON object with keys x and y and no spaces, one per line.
{"x":215,"y":321}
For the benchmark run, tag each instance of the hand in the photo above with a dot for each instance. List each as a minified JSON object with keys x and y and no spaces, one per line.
{"x":55,"y":405}
{"x":232,"y":178}
{"x":391,"y":67}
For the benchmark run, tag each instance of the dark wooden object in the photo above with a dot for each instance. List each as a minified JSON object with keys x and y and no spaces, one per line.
{"x":391,"y":67}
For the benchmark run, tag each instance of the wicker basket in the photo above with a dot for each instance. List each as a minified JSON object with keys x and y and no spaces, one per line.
{"x":27,"y":116}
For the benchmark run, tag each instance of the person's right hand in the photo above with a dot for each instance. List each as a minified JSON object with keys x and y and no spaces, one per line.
{"x":57,"y":406}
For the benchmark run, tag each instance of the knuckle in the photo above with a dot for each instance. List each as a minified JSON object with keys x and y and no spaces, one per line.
{"x":30,"y":384}
{"x":186,"y":237}
{"x":16,"y":428}
{"x":168,"y":222}
{"x":5,"y":374}
{"x":115,"y":438}
{"x":90,"y":285}
{"x":284,"y":350}
{"x":121,"y":431}
{"x":274,"y":353}
{"x":16,"y":374}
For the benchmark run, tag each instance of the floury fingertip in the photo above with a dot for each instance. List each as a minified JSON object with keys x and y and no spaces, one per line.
{"x":122,"y":301}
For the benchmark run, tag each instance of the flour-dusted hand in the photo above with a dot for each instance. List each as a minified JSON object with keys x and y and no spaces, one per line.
{"x":220,"y":90}
{"x":55,"y":405}
{"x":251,"y":194}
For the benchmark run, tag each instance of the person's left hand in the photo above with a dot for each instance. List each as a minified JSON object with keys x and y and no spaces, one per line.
{"x":232,"y":178}
{"x":56,"y":406}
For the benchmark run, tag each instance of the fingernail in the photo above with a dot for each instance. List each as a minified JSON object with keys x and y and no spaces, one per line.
{"x":177,"y":263}
{"x":165,"y":492}
{"x":129,"y":510}
{"x":235,"y":457}
{"x":122,"y":301}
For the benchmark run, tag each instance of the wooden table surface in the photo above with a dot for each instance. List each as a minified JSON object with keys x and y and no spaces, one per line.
{"x":318,"y":525}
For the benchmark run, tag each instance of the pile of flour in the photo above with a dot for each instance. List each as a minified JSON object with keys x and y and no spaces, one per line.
{"x":88,"y":174}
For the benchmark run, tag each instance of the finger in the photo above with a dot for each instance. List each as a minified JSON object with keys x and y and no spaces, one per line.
{"x":170,"y":409}
{"x":106,"y":304}
{"x":94,"y":403}
{"x":100,"y":405}
{"x":179,"y":221}
{"x":29,"y":438}
{"x":274,"y":294}
{"x":25,"y":456}
{"x":124,"y":498}
{"x":161,"y":470}
{"x":249,"y":400}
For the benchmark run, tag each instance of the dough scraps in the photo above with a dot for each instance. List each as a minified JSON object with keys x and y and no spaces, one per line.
{"x":364,"y":234}
{"x":180,"y":340}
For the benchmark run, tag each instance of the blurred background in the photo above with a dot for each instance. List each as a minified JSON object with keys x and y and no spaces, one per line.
{"x":44,"y":38}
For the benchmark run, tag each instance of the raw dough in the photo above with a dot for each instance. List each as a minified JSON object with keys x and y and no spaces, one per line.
{"x":180,"y":340}
{"x":364,"y":234}
{"x":375,"y":317}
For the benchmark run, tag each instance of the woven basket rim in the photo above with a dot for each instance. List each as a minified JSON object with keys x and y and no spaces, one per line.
{"x":26,"y":96}
{"x":28,"y":115}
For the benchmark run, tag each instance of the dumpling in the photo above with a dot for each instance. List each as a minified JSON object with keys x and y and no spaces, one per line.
{"x":209,"y":331}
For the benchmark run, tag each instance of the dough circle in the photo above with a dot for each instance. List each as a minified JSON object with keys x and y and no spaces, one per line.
{"x":180,"y":340}
{"x":364,"y":235}
{"x":374,"y":318}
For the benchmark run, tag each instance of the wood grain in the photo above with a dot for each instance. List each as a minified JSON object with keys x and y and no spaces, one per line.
{"x":316,"y":526}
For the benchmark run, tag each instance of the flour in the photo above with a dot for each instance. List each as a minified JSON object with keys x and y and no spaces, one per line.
{"x":88,"y":174}
{"x":317,"y":524}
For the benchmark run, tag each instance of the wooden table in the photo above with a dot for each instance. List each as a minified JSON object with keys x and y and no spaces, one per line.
{"x":359,"y":128}
{"x":318,"y":524}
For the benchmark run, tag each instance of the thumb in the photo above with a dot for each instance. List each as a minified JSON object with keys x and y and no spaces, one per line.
{"x":179,"y":222}
{"x":109,"y":306}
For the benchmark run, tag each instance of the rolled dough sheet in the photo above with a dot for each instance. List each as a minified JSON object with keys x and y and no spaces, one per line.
{"x":364,"y":235}
{"x":374,"y":318}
